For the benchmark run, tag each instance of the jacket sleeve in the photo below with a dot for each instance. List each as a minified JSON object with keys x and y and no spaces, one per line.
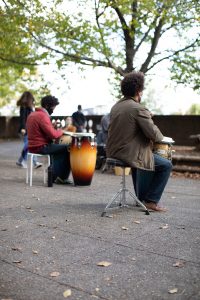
{"x":48,"y":129}
{"x":147,"y":125}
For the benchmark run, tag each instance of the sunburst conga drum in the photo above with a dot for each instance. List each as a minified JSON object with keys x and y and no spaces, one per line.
{"x":164,"y":148}
{"x":65,"y":139}
{"x":83,"y":153}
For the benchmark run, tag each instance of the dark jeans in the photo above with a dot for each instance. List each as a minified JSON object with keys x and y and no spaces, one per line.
{"x":148,"y":185}
{"x":60,"y":159}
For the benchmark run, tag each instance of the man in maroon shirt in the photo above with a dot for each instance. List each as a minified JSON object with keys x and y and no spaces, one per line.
{"x":41,"y":134}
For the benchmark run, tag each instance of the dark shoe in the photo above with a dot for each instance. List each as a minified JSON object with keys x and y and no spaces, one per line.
{"x":62,"y":181}
{"x":154,"y":207}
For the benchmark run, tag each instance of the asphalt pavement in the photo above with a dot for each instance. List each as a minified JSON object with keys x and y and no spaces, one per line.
{"x":55,"y":245}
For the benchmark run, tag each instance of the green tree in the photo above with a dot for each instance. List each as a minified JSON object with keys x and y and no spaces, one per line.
{"x":194,"y":109}
{"x":122,"y":35}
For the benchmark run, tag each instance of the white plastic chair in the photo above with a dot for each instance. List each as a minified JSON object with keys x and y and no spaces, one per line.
{"x":29,"y":170}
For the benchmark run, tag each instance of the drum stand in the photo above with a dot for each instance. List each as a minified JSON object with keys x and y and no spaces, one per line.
{"x":120,"y":197}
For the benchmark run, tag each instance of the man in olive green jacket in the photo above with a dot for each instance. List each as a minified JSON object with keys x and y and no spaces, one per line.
{"x":130,"y":137}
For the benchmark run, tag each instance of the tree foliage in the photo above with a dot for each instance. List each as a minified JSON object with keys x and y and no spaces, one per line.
{"x":194,"y":109}
{"x":122,"y":35}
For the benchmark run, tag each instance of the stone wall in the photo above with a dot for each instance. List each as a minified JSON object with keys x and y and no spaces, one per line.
{"x":178,"y":127}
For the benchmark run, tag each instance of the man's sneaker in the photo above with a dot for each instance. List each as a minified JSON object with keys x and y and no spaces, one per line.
{"x":22,"y":164}
{"x":37,"y":165}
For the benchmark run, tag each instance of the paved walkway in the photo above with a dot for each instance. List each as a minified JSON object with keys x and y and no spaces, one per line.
{"x":53,"y":238}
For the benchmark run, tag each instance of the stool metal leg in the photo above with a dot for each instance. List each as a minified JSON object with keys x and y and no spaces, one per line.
{"x":121,"y":194}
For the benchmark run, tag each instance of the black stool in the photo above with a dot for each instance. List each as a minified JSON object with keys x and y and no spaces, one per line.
{"x":121,"y":194}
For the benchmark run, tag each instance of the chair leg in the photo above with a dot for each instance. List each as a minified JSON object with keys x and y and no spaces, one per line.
{"x":27,"y":170}
{"x":31,"y":170}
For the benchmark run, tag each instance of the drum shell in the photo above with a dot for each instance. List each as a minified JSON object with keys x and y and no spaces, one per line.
{"x":163,"y":149}
{"x":65,"y":139}
{"x":83,"y":153}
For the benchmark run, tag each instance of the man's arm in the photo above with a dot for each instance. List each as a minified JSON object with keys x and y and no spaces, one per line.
{"x":147,"y":125}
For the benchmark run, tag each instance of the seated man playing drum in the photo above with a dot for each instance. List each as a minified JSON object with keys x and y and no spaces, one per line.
{"x":130,"y":136}
{"x":41,"y":134}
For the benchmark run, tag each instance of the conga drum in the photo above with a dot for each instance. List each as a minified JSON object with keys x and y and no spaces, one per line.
{"x":83,"y":153}
{"x":66,"y":138}
{"x":164,"y":148}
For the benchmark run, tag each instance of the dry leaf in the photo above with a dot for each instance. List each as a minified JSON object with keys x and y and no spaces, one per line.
{"x":124,"y":228}
{"x":16,"y":249}
{"x":179,"y":264}
{"x":104,"y":264}
{"x":136,"y":222}
{"x":28,"y":207}
{"x":67,"y":293}
{"x":35,"y":252}
{"x":54,"y":274}
{"x":109,"y":216}
{"x":17,"y":261}
{"x":173,"y":291}
{"x":164,"y":226}
{"x":53,"y":237}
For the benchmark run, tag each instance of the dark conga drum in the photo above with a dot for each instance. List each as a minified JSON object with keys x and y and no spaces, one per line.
{"x":83,"y":154}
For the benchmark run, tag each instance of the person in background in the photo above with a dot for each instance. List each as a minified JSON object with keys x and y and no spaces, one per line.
{"x":130,"y":137}
{"x":103,"y":133}
{"x":105,"y":121}
{"x":79,"y":120}
{"x":26,"y":104}
{"x":69,"y":126}
{"x":41,"y":136}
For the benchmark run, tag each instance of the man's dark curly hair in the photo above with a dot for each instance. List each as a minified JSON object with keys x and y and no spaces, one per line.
{"x":132,"y":83}
{"x":49,"y":101}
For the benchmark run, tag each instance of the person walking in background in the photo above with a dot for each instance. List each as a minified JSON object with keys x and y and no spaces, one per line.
{"x":79,"y":119}
{"x":26,"y":104}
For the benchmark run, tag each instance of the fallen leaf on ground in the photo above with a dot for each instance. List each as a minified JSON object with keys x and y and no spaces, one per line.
{"x":179,"y":264}
{"x":17,"y":261}
{"x":136,"y":222}
{"x":35,"y":252}
{"x":164,"y":226}
{"x":53,"y":237}
{"x":67,"y":293}
{"x":16,"y":249}
{"x":133,"y":258}
{"x":109,"y":216}
{"x":54,"y":274}
{"x":104,"y":264}
{"x":173,"y":291}
{"x":28,"y":207}
{"x":124,"y":228}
